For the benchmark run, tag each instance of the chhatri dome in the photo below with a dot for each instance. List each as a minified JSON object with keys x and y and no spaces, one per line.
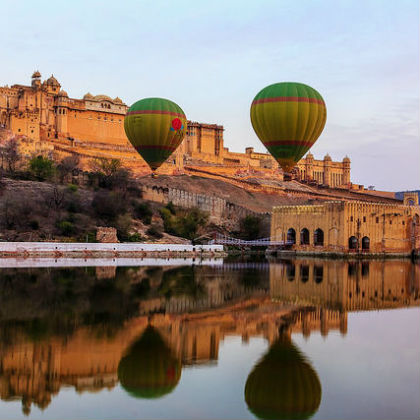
{"x":346,"y":159}
{"x":36,"y":74}
{"x":309,"y":156}
{"x":102,"y":98}
{"x":63,"y":93}
{"x":283,"y":384}
{"x":88,"y":96}
{"x":52,"y":81}
{"x":149,"y":369}
{"x":118,"y":100}
{"x":327,"y":157}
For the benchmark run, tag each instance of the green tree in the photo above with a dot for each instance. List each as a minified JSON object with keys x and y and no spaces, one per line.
{"x":42,"y":167}
{"x":110,"y":173}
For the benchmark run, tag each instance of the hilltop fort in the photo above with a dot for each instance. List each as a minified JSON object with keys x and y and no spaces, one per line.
{"x":46,"y":120}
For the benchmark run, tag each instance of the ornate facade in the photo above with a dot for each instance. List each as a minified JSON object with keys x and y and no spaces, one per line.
{"x":45,"y":118}
{"x":349,"y":226}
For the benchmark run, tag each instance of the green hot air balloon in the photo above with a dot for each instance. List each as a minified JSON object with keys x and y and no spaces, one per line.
{"x":155,"y":128}
{"x":288,"y":118}
{"x":283,"y":385}
{"x":149,"y":369}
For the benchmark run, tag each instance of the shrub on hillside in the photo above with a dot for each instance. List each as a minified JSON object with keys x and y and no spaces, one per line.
{"x":154,"y":231}
{"x":66,"y":228}
{"x":15,"y":211}
{"x":186,"y":224}
{"x":250,"y":227}
{"x":109,"y":174}
{"x":143,"y":212}
{"x":108,"y":205}
{"x":123,"y":225}
{"x":170,"y":206}
{"x":41,"y":168}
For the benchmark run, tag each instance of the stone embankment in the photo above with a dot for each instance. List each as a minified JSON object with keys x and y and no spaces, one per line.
{"x":107,"y":250}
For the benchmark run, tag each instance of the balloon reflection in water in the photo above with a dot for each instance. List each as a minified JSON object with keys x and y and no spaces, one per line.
{"x":283,"y":384}
{"x":149,"y":369}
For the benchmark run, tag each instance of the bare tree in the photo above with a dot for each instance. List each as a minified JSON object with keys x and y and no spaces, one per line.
{"x":110,"y":174}
{"x":67,"y":166}
{"x":10,"y":155}
{"x":55,"y":198}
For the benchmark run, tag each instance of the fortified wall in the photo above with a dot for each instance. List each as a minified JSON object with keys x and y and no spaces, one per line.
{"x":218,"y":208}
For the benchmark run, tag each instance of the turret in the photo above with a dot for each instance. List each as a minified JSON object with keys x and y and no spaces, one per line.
{"x":51,"y":85}
{"x":36,"y":80}
{"x":346,"y":171}
{"x":309,"y":166}
{"x":62,"y":113}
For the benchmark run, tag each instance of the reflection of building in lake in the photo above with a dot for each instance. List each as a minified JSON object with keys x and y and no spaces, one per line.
{"x":34,"y":369}
{"x":346,"y":285}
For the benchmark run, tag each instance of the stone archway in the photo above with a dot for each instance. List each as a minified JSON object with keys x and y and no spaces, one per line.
{"x":319,"y":237}
{"x":291,"y":236}
{"x":304,"y":236}
{"x":353,"y":243}
{"x":365,"y":243}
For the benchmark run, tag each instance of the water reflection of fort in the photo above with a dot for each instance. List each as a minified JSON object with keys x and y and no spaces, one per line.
{"x":269,"y":301}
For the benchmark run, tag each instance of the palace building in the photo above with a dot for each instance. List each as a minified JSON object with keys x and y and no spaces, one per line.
{"x":45,"y":119}
{"x":349,"y":226}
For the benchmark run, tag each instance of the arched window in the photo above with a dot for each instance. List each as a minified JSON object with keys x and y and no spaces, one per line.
{"x":352,"y":269}
{"x":291,"y":236}
{"x":365,"y":243}
{"x":304,"y":236}
{"x":290,"y":271}
{"x":318,"y":273}
{"x":319,"y":237}
{"x":365,"y":268}
{"x":304,"y":273}
{"x":352,"y":242}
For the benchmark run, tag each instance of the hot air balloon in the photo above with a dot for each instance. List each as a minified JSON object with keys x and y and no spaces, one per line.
{"x":155,"y":128}
{"x":149,"y":369}
{"x":283,"y":384}
{"x":288,"y":118}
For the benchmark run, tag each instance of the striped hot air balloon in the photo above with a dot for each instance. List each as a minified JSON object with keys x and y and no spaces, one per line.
{"x":283,"y":384}
{"x":288,"y":118}
{"x":155,"y":128}
{"x":149,"y":369}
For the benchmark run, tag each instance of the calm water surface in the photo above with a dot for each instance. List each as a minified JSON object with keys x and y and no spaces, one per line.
{"x":287,"y":339}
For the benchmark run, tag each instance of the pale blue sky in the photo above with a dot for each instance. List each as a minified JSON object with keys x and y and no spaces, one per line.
{"x":212,"y":58}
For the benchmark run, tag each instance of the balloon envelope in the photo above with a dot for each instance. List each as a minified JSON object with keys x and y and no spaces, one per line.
{"x":149,"y":369}
{"x":288,"y":118}
{"x":283,"y":385}
{"x":155,"y":128}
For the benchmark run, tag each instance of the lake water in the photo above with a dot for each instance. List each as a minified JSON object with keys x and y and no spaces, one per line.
{"x":302,"y":338}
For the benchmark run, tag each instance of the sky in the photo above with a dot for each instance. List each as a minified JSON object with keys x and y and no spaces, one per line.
{"x":213,"y":57}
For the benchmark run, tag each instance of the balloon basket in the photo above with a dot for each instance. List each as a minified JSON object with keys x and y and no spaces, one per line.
{"x":154,"y":175}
